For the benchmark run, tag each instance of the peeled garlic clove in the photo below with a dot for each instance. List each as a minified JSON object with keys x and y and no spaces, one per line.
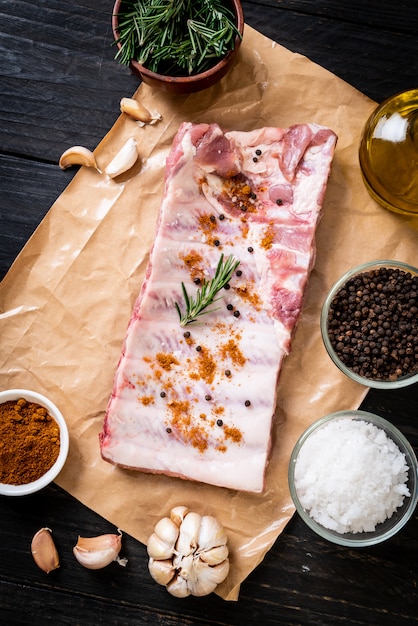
{"x":124,"y":159}
{"x":97,"y":552}
{"x":135,"y":109}
{"x":161,"y":571}
{"x":44,"y":551}
{"x":78,"y":155}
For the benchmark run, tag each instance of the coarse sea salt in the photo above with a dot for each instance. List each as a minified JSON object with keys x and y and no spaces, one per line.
{"x":350,"y":476}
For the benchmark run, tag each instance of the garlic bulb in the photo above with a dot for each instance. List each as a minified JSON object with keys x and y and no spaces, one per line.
{"x":97,"y":552}
{"x":78,"y":155}
{"x":44,"y":551}
{"x":124,"y":159}
{"x":188,"y":553}
{"x":137,"y":111}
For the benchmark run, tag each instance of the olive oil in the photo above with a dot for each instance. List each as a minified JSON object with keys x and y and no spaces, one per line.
{"x":389,"y":153}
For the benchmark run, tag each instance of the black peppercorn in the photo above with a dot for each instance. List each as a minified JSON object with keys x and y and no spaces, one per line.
{"x":230,"y":307}
{"x":372,"y":325}
{"x":197,"y":281}
{"x":228,"y":373}
{"x":198,"y":348}
{"x":168,"y":430}
{"x":208,"y":398}
{"x":227,"y":286}
{"x":212,"y":218}
{"x":216,"y":243}
{"x":250,"y":249}
{"x":237,"y":313}
{"x":239,"y":272}
{"x":219,"y":423}
{"x":222,"y":216}
{"x":247,"y":403}
{"x":279,"y":201}
{"x":163,"y":394}
{"x":258,"y":152}
{"x":186,"y":334}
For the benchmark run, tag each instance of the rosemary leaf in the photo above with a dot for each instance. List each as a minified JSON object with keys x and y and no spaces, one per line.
{"x":205,"y":295}
{"x":176,"y":37}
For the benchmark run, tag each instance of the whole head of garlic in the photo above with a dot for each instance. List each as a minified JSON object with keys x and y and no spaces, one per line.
{"x":188,"y":553}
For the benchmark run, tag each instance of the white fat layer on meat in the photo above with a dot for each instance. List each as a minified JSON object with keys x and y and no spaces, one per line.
{"x":206,"y":415}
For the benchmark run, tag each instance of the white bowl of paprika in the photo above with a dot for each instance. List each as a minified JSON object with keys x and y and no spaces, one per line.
{"x":34,"y":442}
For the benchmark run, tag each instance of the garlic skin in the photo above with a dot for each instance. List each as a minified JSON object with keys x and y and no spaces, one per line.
{"x":98,"y":552}
{"x":78,"y":155}
{"x":138,"y":112}
{"x":44,"y":551}
{"x":189,"y":556}
{"x":123,"y":160}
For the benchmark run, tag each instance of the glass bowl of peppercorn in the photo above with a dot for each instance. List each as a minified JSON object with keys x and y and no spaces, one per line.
{"x":369,"y":324}
{"x":34,"y":442}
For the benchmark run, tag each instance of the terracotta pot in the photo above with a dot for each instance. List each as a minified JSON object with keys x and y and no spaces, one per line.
{"x":185,"y":84}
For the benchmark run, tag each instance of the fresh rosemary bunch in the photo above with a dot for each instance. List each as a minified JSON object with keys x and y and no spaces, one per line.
{"x":175,"y":37}
{"x":205,"y":295}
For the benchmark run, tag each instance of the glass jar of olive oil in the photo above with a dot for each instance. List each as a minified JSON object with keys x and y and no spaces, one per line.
{"x":389,"y":153}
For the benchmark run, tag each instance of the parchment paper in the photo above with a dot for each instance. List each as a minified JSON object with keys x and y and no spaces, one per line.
{"x":66,"y":301}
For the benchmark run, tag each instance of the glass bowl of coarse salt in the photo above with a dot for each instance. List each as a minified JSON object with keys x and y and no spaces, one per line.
{"x":369,"y":324}
{"x":353,"y":478}
{"x":34,"y":442}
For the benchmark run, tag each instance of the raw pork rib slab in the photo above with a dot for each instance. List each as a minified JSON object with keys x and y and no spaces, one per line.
{"x":197,"y":402}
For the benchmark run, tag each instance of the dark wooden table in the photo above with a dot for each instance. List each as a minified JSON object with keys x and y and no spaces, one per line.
{"x":60,"y":86}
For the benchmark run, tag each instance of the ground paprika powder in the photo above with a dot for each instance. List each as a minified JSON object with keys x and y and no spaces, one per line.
{"x":29,"y":441}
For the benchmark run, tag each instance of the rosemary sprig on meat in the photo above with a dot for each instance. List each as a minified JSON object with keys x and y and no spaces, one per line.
{"x":205,"y":295}
{"x":175,"y":37}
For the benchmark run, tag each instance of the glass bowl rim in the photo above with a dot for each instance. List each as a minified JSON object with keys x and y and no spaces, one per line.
{"x":358,"y":269}
{"x":54,"y":470}
{"x":357,"y":539}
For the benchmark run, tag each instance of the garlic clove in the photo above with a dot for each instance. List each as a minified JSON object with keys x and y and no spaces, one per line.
{"x":186,"y":567}
{"x":216,"y":555}
{"x":123,"y":160}
{"x":44,"y":551}
{"x":178,"y":513}
{"x":78,"y":155}
{"x":167,"y":530}
{"x":211,"y":533}
{"x":161,"y":571}
{"x":157,"y":548}
{"x":189,"y":531}
{"x":135,"y":109}
{"x":178,"y":587}
{"x":98,"y":552}
{"x":207,"y":578}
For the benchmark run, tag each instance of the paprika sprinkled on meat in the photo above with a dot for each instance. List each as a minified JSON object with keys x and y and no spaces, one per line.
{"x":214,"y":385}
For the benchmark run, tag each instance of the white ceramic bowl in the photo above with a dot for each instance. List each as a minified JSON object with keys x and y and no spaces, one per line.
{"x":384,"y":530}
{"x":52,"y":473}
